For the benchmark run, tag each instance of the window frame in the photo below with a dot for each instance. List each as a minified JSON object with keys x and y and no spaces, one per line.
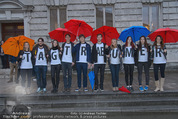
{"x":150,"y":14}
{"x":58,"y":16}
{"x":104,"y":14}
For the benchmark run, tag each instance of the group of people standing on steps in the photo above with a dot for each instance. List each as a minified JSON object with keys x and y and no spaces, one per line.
{"x":85,"y":57}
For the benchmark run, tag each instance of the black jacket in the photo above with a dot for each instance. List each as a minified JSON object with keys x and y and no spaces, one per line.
{"x":94,"y":54}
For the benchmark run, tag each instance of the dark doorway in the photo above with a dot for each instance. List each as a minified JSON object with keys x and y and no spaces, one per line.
{"x":11,"y":30}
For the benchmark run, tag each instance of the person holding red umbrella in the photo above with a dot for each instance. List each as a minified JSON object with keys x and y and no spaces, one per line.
{"x":159,"y":53}
{"x":67,"y":62}
{"x":99,"y":61}
{"x":83,"y":60}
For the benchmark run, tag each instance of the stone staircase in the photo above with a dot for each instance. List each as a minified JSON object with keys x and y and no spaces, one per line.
{"x":98,"y":105}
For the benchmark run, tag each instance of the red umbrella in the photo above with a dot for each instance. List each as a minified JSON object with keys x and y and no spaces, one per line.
{"x":168,"y":35}
{"x":78,"y":27}
{"x":107,"y":32}
{"x":59,"y":34}
{"x":123,"y":89}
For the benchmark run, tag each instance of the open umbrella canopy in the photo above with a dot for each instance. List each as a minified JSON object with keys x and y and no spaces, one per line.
{"x":59,"y":34}
{"x":78,"y":27}
{"x":91,"y":76}
{"x":108,"y":33}
{"x":14,"y":44}
{"x":135,"y":32}
{"x":168,"y":35}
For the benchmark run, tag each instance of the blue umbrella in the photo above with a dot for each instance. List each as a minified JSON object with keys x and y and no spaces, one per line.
{"x":91,"y":76}
{"x":135,"y":32}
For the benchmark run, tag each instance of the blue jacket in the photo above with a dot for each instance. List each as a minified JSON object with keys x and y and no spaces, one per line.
{"x":76,"y":50}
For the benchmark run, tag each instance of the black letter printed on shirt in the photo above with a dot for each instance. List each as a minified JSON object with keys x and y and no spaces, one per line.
{"x":67,"y":47}
{"x":114,"y":55}
{"x":41,"y":56}
{"x":142,"y":51}
{"x":83,"y":51}
{"x":100,"y":51}
{"x":54,"y":57}
{"x":128,"y":53}
{"x":27,"y":56}
{"x":158,"y":51}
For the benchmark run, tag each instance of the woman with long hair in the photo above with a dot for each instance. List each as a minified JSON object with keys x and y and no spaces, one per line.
{"x":128,"y":52}
{"x":115,"y":55}
{"x":25,"y":65}
{"x":54,"y":58}
{"x":143,"y":60}
{"x":159,"y":61}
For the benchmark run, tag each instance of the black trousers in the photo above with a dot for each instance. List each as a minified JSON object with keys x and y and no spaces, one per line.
{"x":162,"y":70}
{"x":98,"y":67}
{"x":55,"y":72}
{"x":140,"y":67}
{"x":128,"y":68}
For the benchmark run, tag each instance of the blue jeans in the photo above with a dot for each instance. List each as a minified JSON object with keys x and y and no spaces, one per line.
{"x":115,"y":74}
{"x":41,"y":76}
{"x":80,"y":67}
{"x":67,"y":69}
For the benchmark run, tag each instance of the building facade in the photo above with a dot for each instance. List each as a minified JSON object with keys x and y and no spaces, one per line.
{"x":36,"y":18}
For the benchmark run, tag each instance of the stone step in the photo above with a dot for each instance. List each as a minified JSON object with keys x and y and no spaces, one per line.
{"x":157,"y":108}
{"x":100,"y":103}
{"x":98,"y":96}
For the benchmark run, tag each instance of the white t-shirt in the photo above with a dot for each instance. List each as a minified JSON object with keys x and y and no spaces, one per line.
{"x":159,"y":57}
{"x":67,"y":55}
{"x":26,"y":61}
{"x":41,"y":58}
{"x":83,"y":53}
{"x":143,"y":55}
{"x":129,"y":58}
{"x":100,"y":53}
{"x":55,"y":60}
{"x":114,"y":59}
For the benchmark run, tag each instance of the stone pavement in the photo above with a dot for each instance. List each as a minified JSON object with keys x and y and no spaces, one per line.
{"x":170,"y":83}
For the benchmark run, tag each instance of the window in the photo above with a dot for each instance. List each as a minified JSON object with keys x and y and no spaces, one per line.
{"x":57,"y":18}
{"x":104,"y":16}
{"x":150,"y":15}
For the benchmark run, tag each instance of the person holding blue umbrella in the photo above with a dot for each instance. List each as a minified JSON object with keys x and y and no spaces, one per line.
{"x":128,"y":54}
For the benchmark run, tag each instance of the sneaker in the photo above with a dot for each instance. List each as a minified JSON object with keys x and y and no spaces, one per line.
{"x":77,"y":90}
{"x":44,"y":90}
{"x":38,"y":90}
{"x":34,"y":79}
{"x":128,"y":88}
{"x":86,"y":90}
{"x":146,"y":88}
{"x":131,"y":88}
{"x":95,"y":90}
{"x":101,"y":90}
{"x":141,"y":88}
